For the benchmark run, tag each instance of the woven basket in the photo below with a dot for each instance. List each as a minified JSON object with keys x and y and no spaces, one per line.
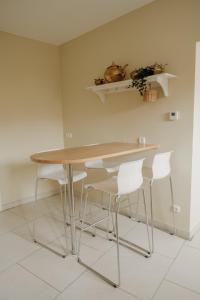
{"x":150,"y":95}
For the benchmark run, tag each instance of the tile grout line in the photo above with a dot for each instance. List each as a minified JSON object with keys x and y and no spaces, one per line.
{"x":167,"y":271}
{"x":179,"y":285}
{"x":130,"y":294}
{"x":194,"y":291}
{"x":193,"y":247}
{"x":27,"y":270}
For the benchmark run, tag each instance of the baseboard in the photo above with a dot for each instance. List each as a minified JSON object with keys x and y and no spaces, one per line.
{"x":169,"y":228}
{"x":8,"y":205}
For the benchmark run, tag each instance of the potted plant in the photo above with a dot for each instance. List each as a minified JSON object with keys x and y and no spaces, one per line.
{"x":139,"y":78}
{"x":140,"y":82}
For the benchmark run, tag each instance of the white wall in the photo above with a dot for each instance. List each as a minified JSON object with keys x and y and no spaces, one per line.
{"x":195,"y":180}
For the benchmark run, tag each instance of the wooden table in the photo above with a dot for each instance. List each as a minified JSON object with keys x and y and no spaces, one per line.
{"x":70,"y":156}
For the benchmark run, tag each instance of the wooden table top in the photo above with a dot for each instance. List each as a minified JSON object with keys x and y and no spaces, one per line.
{"x":90,"y":152}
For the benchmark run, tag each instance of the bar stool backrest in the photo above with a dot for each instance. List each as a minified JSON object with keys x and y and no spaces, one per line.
{"x":161,"y":165}
{"x":130,"y":177}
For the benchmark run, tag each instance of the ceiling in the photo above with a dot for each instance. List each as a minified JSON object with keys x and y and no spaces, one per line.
{"x":58,"y":21}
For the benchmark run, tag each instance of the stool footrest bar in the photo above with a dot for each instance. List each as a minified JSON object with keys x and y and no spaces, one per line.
{"x":98,"y":274}
{"x":133,"y":247}
{"x":50,"y":249}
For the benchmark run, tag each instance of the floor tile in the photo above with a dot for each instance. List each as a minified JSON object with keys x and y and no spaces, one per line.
{"x":9,"y":221}
{"x":13,"y":248}
{"x":99,"y":242}
{"x":56,"y":271}
{"x":125,"y":224}
{"x":90,"y":287}
{"x":25,"y":231}
{"x":47,"y":229}
{"x":55,"y":209}
{"x":18,"y":284}
{"x":186,"y":269}
{"x":139,"y":276}
{"x":30,"y":211}
{"x":165,"y":243}
{"x":172,"y":291}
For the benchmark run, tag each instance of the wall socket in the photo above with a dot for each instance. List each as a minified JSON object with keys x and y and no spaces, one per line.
{"x":68,"y":135}
{"x":176,"y":208}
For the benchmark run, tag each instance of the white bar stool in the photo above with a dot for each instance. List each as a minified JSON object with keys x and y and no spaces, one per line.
{"x":56,"y":173}
{"x":160,"y":169}
{"x":128,"y":180}
{"x":109,"y":167}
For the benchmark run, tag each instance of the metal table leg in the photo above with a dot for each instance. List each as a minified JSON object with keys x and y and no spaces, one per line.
{"x":69,"y":174}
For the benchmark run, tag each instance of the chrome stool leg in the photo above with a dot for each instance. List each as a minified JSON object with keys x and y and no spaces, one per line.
{"x":152,"y":218}
{"x":130,"y":208}
{"x":117,"y":239}
{"x":82,"y":220}
{"x":147,"y":221}
{"x":108,"y":231}
{"x":81,"y":202}
{"x":64,"y":216}
{"x":34,"y":230}
{"x":137,"y":208}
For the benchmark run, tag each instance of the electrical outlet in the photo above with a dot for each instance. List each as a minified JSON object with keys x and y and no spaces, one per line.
{"x":68,"y":135}
{"x":176,"y":208}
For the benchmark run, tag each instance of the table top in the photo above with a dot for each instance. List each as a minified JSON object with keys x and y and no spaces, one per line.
{"x":90,"y":152}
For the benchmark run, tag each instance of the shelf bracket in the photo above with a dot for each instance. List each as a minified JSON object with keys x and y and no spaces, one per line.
{"x":163,"y":81}
{"x":101,"y":96}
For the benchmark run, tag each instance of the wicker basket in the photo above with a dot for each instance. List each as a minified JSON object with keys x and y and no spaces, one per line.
{"x":150,"y":95}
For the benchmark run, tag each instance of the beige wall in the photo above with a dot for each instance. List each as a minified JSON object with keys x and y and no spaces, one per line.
{"x":164,"y":31}
{"x":30,"y":113}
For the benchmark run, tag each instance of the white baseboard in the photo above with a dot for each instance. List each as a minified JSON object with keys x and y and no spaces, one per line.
{"x":15,"y":203}
{"x":169,"y":228}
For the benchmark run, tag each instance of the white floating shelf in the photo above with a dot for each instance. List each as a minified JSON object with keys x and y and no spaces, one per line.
{"x":126,"y":85}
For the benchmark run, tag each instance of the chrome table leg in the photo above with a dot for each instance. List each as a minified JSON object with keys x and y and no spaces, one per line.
{"x":69,"y":171}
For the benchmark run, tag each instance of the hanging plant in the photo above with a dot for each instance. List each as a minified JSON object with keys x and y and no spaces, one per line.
{"x":139,"y":78}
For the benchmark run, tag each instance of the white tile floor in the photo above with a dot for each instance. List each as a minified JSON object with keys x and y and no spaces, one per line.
{"x":29,"y":272}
